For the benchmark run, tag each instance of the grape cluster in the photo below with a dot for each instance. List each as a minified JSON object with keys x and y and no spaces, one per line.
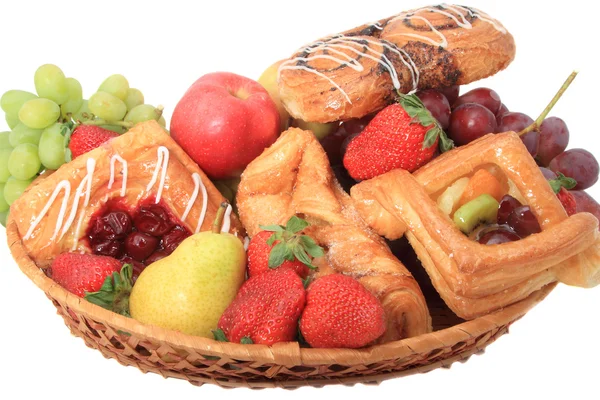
{"x":41,"y":124}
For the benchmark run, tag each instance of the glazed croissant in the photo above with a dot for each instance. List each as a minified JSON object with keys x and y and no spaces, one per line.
{"x":475,"y":279}
{"x":293,"y":176}
{"x":357,"y":72}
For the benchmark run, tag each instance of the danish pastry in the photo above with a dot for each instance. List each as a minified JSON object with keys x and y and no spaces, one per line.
{"x":142,"y":166}
{"x":356,"y":72}
{"x":472,"y":278}
{"x":293,"y":176}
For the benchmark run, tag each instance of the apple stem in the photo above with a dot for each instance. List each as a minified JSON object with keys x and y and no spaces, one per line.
{"x":536,"y":124}
{"x":216,"y":228}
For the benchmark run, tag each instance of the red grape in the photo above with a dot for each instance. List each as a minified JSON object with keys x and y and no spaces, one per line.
{"x":469,"y":122}
{"x":501,"y":111}
{"x":357,"y":125}
{"x":586,"y":203}
{"x":450,"y":93}
{"x":523,"y":222}
{"x":332,"y":145}
{"x":513,"y":121}
{"x":578,"y":164}
{"x":438,"y":106}
{"x":531,"y":140}
{"x":548,"y":174}
{"x":499,"y":236}
{"x":507,"y":206}
{"x":484,"y":96}
{"x":554,"y":138}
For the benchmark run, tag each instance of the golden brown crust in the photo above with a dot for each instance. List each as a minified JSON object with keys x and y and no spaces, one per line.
{"x":139,"y":148}
{"x":292,"y":177}
{"x":475,"y":279}
{"x":350,"y":75}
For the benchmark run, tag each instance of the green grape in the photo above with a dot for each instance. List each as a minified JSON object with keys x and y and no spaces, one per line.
{"x":3,"y":204}
{"x":52,"y":147}
{"x":12,"y":101}
{"x":141,"y":113}
{"x":23,"y":134}
{"x":50,"y":83}
{"x":24,"y":161}
{"x":14,"y":188}
{"x":84,"y":113}
{"x":75,"y":100}
{"x":134,"y":98}
{"x":106,"y":106}
{"x":39,"y":113}
{"x":4,"y":217}
{"x":162,"y":121}
{"x":4,"y":140}
{"x":114,"y":128}
{"x":12,"y":120}
{"x":116,"y":85}
{"x":4,"y":156}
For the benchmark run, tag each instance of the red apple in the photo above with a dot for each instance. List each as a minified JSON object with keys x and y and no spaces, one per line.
{"x":223,"y":122}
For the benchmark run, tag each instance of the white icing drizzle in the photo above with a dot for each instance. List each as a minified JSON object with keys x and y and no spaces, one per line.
{"x":162,"y":163}
{"x":455,"y":13}
{"x":227,"y":219}
{"x":204,"y":204}
{"x":188,"y":208}
{"x":87,"y":182}
{"x":113,"y":159}
{"x":61,"y":215}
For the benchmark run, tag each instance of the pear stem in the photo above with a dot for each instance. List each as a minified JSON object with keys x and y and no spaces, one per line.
{"x":216,"y":228}
{"x":536,"y":124}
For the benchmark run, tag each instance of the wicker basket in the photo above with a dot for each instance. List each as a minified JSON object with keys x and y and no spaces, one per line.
{"x":199,"y":360}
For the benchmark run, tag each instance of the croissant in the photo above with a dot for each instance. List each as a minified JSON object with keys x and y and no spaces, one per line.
{"x":475,"y":279}
{"x":292,"y":177}
{"x":143,"y":165}
{"x":357,"y":72}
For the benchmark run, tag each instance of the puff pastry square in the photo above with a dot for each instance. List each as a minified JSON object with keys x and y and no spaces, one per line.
{"x":475,"y":279}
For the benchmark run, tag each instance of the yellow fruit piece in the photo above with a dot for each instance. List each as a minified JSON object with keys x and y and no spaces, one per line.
{"x":483,"y":209}
{"x":482,"y":182}
{"x":448,"y":201}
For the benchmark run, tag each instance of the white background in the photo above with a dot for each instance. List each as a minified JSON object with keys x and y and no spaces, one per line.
{"x":162,"y":47}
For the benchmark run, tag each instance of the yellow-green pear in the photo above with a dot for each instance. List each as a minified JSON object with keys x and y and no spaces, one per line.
{"x":190,"y":289}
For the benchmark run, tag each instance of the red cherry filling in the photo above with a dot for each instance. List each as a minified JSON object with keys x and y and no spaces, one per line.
{"x":138,"y":237}
{"x":523,"y":221}
{"x":153,"y":220}
{"x":140,"y":246}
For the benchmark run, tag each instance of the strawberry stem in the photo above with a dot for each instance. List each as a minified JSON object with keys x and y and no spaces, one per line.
{"x":216,"y":227}
{"x":536,"y":124}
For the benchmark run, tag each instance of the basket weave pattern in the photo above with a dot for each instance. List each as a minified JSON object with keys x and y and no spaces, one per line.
{"x":200,"y":360}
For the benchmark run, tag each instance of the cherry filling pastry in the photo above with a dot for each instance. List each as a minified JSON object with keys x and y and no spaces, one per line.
{"x":139,"y":237}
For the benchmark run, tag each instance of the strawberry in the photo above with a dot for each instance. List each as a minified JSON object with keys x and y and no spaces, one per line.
{"x":340,"y":312}
{"x":278,"y":246}
{"x":83,"y":273}
{"x":402,"y":135}
{"x":560,"y":186}
{"x":87,"y":137}
{"x":265,"y":310}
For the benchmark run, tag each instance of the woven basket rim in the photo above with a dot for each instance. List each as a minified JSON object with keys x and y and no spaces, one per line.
{"x":288,"y":354}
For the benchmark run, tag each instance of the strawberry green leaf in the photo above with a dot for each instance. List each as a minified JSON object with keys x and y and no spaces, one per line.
{"x":274,"y":237}
{"x":246,"y":340}
{"x":115,"y":291}
{"x":311,"y":247}
{"x":68,"y":155}
{"x":272,"y":228}
{"x":430,"y":137}
{"x":295,"y":224}
{"x":306,"y":282}
{"x":446,"y":144}
{"x":562,"y":181}
{"x":301,"y":255}
{"x":219,"y":335}
{"x":277,"y":255}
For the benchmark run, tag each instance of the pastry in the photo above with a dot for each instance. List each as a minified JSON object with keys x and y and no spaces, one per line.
{"x":356,"y":72}
{"x":142,"y":168}
{"x":472,"y":278}
{"x":293,"y":177}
